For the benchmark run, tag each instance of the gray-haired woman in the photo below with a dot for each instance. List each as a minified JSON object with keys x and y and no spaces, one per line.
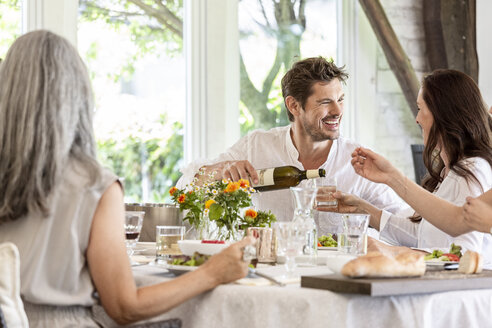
{"x":64,"y":211}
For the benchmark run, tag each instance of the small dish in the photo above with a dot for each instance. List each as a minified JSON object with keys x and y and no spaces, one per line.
{"x":145,"y":248}
{"x":189,"y":247}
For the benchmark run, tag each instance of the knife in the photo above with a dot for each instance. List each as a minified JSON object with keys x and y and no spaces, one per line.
{"x":270,"y":278}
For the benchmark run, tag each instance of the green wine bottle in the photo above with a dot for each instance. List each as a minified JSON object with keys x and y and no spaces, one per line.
{"x":284,"y":177}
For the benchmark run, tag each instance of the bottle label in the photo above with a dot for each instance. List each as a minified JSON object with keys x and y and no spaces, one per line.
{"x":312,"y":174}
{"x":265,"y":178}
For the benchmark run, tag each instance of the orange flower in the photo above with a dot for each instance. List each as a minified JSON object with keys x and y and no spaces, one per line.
{"x":232,"y":187}
{"x":243,"y":183}
{"x":209,"y":203}
{"x":172,"y":190}
{"x":181,"y":198}
{"x":251,"y":213}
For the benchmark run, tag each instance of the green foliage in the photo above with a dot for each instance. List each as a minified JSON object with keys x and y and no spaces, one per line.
{"x":153,"y":160}
{"x":10,"y":24}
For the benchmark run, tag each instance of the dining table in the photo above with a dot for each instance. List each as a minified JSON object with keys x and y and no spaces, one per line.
{"x":255,"y":302}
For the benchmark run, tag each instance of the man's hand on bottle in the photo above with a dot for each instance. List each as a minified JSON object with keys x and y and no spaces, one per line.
{"x":233,"y":170}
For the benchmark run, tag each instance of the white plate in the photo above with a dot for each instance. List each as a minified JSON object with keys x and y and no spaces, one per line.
{"x":189,"y":247}
{"x":439,"y":263}
{"x":145,"y":248}
{"x":336,"y":262}
{"x":326,"y":248}
{"x":179,"y":269}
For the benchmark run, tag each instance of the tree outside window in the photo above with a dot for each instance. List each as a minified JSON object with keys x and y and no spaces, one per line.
{"x":10,"y":24}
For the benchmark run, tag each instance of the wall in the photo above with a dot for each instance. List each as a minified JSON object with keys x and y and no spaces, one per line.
{"x":386,"y":123}
{"x":484,"y":48}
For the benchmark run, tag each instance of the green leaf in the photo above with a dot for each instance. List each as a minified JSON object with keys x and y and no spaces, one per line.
{"x":216,"y":212}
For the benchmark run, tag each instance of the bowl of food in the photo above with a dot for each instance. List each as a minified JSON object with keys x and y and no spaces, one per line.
{"x":207,"y":247}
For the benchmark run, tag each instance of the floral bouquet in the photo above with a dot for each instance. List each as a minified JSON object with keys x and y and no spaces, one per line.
{"x":219,"y":204}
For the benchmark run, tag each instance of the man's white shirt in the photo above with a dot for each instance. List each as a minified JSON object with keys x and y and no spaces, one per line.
{"x":274,"y":148}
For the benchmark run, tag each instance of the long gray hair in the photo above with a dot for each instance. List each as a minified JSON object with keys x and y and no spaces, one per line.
{"x":46,"y":106}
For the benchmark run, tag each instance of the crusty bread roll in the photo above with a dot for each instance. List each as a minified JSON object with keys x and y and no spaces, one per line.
{"x":375,"y":264}
{"x":471,"y":262}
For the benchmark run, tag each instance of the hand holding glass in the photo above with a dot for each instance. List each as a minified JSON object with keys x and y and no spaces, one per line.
{"x":324,"y":197}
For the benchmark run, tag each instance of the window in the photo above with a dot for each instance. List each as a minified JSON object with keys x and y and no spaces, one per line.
{"x":273,"y":35}
{"x":133,"y":50}
{"x":10,"y":24}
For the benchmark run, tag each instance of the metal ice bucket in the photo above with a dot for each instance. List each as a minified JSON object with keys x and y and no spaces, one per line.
{"x":156,"y":214}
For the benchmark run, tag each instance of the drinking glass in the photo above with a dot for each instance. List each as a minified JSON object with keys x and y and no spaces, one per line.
{"x":133,"y":226}
{"x":326,"y":187}
{"x":304,"y":221}
{"x":290,"y":242}
{"x":353,"y":240}
{"x":166,"y":238}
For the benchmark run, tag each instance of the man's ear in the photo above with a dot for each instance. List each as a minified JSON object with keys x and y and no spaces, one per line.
{"x":293,"y":106}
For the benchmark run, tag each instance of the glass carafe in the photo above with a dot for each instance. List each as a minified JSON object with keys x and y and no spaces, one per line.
{"x":304,"y":221}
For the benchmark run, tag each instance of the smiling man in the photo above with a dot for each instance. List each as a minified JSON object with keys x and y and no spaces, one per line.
{"x":313,"y":95}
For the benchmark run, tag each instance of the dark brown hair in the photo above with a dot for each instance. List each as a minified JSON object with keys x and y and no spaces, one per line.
{"x":298,"y":81}
{"x":462,"y":125}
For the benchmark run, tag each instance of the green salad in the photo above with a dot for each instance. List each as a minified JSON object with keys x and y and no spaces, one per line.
{"x":327,"y":241}
{"x":196,"y":260}
{"x":453,"y":255}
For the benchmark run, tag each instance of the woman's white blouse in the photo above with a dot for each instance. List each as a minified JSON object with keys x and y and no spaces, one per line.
{"x":399,"y":230}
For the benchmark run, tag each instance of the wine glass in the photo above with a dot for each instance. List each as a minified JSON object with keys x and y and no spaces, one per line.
{"x":290,"y":242}
{"x":133,"y":226}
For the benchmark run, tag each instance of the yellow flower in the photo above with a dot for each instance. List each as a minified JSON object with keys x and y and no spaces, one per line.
{"x":181,"y":199}
{"x":232,"y":187}
{"x":243,"y":183}
{"x":209,"y":203}
{"x":173,"y":190}
{"x":251,"y":213}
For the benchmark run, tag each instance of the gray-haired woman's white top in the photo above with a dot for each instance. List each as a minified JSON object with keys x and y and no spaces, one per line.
{"x":52,"y":250}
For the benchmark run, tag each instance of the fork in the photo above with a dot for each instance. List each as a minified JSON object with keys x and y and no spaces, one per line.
{"x":270,"y":278}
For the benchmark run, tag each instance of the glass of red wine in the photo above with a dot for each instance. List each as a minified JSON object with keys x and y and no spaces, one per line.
{"x":133,"y":226}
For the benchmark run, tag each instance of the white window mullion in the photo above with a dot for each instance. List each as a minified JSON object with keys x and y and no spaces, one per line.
{"x":212,"y":74}
{"x":57,"y":16}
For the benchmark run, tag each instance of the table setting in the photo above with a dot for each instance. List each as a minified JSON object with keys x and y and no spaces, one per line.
{"x":296,"y":280}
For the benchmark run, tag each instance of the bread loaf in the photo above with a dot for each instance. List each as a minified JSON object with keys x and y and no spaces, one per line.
{"x":375,"y":264}
{"x":471,"y":262}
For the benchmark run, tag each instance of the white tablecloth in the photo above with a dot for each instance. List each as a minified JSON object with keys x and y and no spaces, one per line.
{"x":240,"y":306}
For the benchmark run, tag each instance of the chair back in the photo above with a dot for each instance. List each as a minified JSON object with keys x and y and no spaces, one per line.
{"x":418,"y":162}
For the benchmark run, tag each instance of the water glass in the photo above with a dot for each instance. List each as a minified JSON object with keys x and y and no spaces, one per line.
{"x":289,"y":242}
{"x":166,"y":244}
{"x":326,"y":187}
{"x":353,"y":240}
{"x":133,"y":226}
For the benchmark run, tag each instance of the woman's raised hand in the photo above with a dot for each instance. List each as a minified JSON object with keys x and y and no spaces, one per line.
{"x":372,"y":166}
{"x":478,"y":214}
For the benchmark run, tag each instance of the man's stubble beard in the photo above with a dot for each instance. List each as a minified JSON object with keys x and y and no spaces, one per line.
{"x":317,"y":136}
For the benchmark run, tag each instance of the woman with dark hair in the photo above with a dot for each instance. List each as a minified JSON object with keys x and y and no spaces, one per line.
{"x":456,"y":130}
{"x":63,"y":210}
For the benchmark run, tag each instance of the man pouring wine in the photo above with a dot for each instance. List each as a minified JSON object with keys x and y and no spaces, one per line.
{"x":313,"y":96}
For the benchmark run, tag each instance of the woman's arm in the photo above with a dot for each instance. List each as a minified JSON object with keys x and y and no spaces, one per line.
{"x":111,"y":272}
{"x":437,"y":211}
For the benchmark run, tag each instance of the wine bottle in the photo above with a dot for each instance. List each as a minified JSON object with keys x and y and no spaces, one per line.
{"x":284,"y":177}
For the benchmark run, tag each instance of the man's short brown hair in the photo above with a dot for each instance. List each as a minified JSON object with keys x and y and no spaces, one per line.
{"x":298,"y":81}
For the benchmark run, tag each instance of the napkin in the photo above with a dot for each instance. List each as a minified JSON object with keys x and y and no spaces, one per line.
{"x":258,"y":281}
